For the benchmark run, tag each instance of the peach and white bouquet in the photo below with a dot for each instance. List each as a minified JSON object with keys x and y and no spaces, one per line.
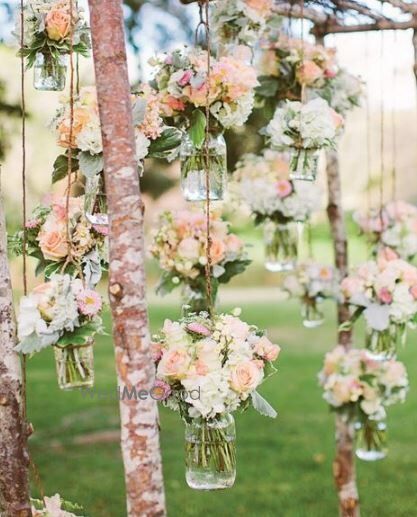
{"x":153,"y":137}
{"x":312,"y":283}
{"x":60,"y":312}
{"x":179,"y":244}
{"x":64,"y":241}
{"x":181,"y":80}
{"x":394,"y":227}
{"x":240,"y":22}
{"x":354,"y":382}
{"x":223,"y":359}
{"x":385,"y":291}
{"x":262,"y":183}
{"x":47,"y":30}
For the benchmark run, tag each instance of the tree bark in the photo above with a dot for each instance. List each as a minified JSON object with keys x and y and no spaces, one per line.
{"x":135,"y":368}
{"x":14,"y":458}
{"x":344,"y":463}
{"x":415,"y":49}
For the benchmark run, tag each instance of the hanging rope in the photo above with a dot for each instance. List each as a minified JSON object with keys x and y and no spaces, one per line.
{"x":204,"y":20}
{"x":303,"y":86}
{"x":382,"y":118}
{"x":368,"y":134}
{"x":393,"y":127}
{"x":25,"y":422}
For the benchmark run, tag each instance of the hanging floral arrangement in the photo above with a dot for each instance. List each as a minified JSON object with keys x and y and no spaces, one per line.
{"x":393,"y":227}
{"x":207,"y":369}
{"x":64,"y":242}
{"x":360,"y":388}
{"x":179,"y":243}
{"x":262,"y":183}
{"x":312,"y":283}
{"x":304,"y":129}
{"x":47,"y":34}
{"x":54,"y":506}
{"x":153,"y":139}
{"x":386,"y":293}
{"x":181,"y":79}
{"x":240,"y":22}
{"x":64,"y":314}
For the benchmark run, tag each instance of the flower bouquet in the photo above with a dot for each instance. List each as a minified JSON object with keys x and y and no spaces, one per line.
{"x":312,"y":283}
{"x":240,"y":22}
{"x":77,"y":247}
{"x":209,"y":368}
{"x":386,"y":293}
{"x":179,"y":244}
{"x":64,"y":314}
{"x":304,"y":129}
{"x":153,"y":139}
{"x":393,"y":227}
{"x":54,"y":507}
{"x":360,"y":388}
{"x":262,"y":183}
{"x":47,"y":39}
{"x":181,"y":80}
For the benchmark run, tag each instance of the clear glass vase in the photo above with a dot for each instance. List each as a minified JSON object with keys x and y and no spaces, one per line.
{"x":195,"y":300}
{"x":75,"y":366}
{"x":382,"y":345}
{"x":49,"y":72}
{"x":303,"y":163}
{"x":281,"y":245}
{"x":193,"y":169}
{"x":312,"y":316}
{"x":371,"y":440}
{"x":95,"y":201}
{"x":210,"y":453}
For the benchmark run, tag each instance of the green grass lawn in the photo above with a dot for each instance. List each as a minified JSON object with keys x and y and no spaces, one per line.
{"x":284,"y":465}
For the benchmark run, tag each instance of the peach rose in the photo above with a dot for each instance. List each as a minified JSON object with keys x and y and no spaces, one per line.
{"x":245,"y":377}
{"x":217,"y":251}
{"x":53,"y":243}
{"x":233,"y":243}
{"x":338,"y":120}
{"x":57,"y":24}
{"x":267,"y":350}
{"x":309,"y":72}
{"x":174,"y":364}
{"x":81,"y":118}
{"x":189,"y":249}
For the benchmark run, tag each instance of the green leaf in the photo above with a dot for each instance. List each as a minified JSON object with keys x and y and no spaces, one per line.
{"x":262,"y":406}
{"x":232,"y":269}
{"x":165,"y":284}
{"x":197,"y":129}
{"x":90,"y":164}
{"x":50,"y":268}
{"x":61,"y":167}
{"x":169,"y":140}
{"x":268,"y":86}
{"x":80,"y":335}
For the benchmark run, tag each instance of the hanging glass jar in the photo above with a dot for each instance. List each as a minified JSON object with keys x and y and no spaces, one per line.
{"x":49,"y":72}
{"x":194,"y":299}
{"x":210,"y":453}
{"x":312,"y":316}
{"x":382,"y":344}
{"x":75,"y":366}
{"x":371,"y":439}
{"x":281,"y":245}
{"x":303,"y":163}
{"x":95,"y":202}
{"x":193,"y":168}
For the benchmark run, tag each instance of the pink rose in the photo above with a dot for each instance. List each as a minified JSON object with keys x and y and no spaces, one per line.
{"x":413,"y":291}
{"x":57,"y":24}
{"x":284,"y":188}
{"x":198,"y":328}
{"x":351,"y":286}
{"x":245,"y":377}
{"x":338,"y":120}
{"x":189,"y":249}
{"x":385,"y":296}
{"x":309,"y":72}
{"x":156,"y":351}
{"x":267,"y":350}
{"x":174,"y":364}
{"x":330,"y":73}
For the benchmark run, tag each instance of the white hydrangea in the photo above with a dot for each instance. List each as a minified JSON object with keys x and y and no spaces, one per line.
{"x":89,"y":139}
{"x":233,"y":115}
{"x":142,"y":145}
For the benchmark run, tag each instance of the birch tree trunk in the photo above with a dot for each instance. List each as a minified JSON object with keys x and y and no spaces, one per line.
{"x":139,"y":418}
{"x":14,"y":458}
{"x":344,"y":463}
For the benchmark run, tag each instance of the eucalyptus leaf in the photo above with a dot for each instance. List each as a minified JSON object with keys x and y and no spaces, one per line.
{"x":262,"y":406}
{"x":90,"y":164}
{"x":197,"y":129}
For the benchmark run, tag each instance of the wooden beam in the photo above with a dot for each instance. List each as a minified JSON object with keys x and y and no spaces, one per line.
{"x":322,"y":30}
